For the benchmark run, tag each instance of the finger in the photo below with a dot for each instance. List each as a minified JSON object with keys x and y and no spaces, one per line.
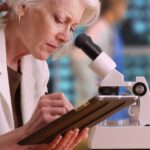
{"x":69,"y":106}
{"x":57,"y":111}
{"x":46,"y":113}
{"x":54,"y":96}
{"x":82,"y":136}
{"x":40,"y":119}
{"x":52,"y":103}
{"x":61,"y":96}
{"x":71,"y":141}
{"x":54,"y":143}
{"x":64,"y":141}
{"x":62,"y":103}
{"x":59,"y":104}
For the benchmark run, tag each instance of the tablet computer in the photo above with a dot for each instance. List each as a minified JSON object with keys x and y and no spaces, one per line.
{"x":89,"y":114}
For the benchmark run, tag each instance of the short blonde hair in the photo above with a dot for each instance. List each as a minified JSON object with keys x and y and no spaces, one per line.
{"x":90,"y":15}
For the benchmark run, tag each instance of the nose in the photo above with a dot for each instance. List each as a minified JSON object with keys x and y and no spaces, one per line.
{"x":64,"y":36}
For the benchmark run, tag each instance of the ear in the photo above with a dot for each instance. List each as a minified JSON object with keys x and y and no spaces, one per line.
{"x":20,"y":10}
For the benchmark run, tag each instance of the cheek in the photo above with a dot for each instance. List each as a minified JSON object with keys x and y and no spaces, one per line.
{"x":40,"y":29}
{"x":36,"y":34}
{"x":35,"y":30}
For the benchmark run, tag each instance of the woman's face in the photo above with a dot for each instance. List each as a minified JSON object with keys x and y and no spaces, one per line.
{"x":44,"y":28}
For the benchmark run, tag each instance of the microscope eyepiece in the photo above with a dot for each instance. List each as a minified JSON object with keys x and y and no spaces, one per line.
{"x":85,"y":43}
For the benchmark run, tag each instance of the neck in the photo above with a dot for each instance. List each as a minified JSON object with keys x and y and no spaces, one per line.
{"x":15,"y":49}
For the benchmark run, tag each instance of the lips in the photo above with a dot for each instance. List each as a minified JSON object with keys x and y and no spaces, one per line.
{"x":52,"y":46}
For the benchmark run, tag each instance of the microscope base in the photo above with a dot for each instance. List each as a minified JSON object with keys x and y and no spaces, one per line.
{"x":131,"y":137}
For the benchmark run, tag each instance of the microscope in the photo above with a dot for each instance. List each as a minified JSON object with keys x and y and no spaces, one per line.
{"x":124,"y":137}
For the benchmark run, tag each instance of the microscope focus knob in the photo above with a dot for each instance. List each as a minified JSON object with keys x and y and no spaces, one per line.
{"x":139,"y":89}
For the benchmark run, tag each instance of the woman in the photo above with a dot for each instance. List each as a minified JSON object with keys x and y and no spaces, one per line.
{"x":35,"y":29}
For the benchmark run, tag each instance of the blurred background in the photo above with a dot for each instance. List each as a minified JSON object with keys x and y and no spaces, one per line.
{"x":123,"y":32}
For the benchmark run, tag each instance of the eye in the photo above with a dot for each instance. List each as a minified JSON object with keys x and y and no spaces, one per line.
{"x":73,"y":29}
{"x":58,"y":20}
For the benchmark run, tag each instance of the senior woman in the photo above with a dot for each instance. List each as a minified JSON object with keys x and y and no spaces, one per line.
{"x":30,"y":31}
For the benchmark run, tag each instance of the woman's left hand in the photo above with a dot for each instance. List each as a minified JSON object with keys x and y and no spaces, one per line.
{"x":68,"y":142}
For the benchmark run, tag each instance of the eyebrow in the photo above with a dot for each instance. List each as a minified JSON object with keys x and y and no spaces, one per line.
{"x":68,"y":17}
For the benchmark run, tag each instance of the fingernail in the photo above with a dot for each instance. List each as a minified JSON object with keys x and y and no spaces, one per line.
{"x":59,"y":137}
{"x":70,"y":132}
{"x":76,"y":130}
{"x":87,"y":129}
{"x":86,"y":136}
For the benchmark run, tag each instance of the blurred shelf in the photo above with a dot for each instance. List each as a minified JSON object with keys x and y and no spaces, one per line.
{"x":137,"y":63}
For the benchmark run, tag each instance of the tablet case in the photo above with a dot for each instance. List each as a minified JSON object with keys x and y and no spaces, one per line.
{"x":89,"y":114}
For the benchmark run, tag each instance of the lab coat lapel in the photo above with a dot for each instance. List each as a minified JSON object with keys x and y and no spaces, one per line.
{"x":35,"y":77}
{"x":27,"y":89}
{"x":4,"y":83}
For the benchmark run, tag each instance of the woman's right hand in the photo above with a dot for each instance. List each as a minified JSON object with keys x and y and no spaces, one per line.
{"x":49,"y":108}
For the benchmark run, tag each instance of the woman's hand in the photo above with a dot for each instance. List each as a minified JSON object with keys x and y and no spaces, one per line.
{"x":49,"y":108}
{"x":68,"y":142}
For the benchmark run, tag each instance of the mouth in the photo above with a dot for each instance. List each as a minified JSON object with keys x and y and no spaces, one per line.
{"x":51,"y":46}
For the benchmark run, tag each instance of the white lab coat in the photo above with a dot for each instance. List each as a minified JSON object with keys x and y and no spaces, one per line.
{"x":34,"y":80}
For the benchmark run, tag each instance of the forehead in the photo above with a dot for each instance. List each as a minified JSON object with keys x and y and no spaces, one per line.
{"x":72,"y":8}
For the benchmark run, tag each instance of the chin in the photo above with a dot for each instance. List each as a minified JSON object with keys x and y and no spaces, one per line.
{"x":42,"y":57}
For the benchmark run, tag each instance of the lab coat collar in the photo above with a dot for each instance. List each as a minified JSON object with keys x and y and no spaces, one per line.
{"x":4,"y":83}
{"x":27,"y":89}
{"x":27,"y":85}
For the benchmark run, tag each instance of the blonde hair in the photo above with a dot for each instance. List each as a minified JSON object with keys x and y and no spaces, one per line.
{"x":90,"y":15}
